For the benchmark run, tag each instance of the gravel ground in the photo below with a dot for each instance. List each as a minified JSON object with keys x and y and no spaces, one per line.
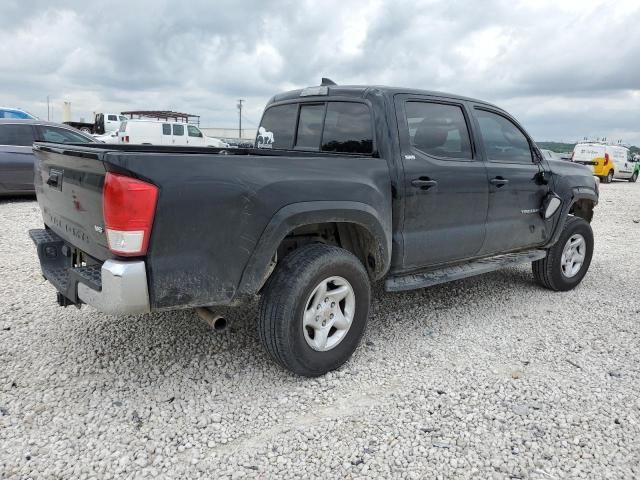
{"x":491,"y":377}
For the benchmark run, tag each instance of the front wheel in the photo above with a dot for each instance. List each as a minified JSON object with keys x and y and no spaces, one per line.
{"x":634,"y":177}
{"x":314,"y":309}
{"x":568,"y":260}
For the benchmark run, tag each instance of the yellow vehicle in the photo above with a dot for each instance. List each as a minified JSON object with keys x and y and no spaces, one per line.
{"x":608,"y":161}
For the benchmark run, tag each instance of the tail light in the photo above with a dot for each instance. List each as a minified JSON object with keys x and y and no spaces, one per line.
{"x":128,"y":207}
{"x":125,"y":138}
{"x":606,"y":158}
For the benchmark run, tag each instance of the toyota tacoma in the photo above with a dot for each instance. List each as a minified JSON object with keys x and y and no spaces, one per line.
{"x":345,"y":186}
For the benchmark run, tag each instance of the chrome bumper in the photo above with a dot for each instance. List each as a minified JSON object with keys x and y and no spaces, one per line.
{"x":124,"y":289}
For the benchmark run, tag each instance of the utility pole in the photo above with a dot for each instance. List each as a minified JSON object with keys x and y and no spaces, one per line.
{"x":240,"y":118}
{"x":48,"y":109}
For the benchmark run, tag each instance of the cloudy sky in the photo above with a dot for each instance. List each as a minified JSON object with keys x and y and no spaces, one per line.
{"x":566,"y":68}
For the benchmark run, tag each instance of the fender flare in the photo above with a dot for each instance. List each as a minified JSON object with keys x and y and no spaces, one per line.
{"x":295,"y":215}
{"x":576,"y":194}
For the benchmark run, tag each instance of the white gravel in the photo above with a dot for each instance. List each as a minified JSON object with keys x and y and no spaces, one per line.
{"x":491,"y":377}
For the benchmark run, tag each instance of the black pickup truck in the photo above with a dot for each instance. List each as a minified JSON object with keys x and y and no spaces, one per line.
{"x":346,"y":186}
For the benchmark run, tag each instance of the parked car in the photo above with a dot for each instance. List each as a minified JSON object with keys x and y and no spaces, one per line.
{"x":16,"y":114}
{"x":352,"y":185}
{"x":153,"y":132}
{"x":608,"y":161}
{"x":110,"y":137}
{"x":16,"y":153}
{"x":103,"y":123}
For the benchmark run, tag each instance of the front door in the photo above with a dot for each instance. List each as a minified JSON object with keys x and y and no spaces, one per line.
{"x":516,"y":191}
{"x":623,"y":158}
{"x":445,"y":182}
{"x":16,"y":157}
{"x":194,"y":136}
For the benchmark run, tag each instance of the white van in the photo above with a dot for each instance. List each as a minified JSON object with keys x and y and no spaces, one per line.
{"x":608,"y":161}
{"x":153,"y":132}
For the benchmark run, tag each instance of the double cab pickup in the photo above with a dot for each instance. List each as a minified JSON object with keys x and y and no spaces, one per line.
{"x":345,"y":186}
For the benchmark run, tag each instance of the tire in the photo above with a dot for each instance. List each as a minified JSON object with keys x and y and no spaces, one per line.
{"x":634,"y":177}
{"x":609,"y":177}
{"x":549,"y":271}
{"x":288,"y":295}
{"x":85,"y":130}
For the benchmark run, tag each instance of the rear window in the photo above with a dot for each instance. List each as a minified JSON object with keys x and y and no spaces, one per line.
{"x":438,"y":129}
{"x":19,"y":135}
{"x":343,"y":127}
{"x":61,"y":135}
{"x":347,"y":128}
{"x":310,"y":126}
{"x":277,"y":127}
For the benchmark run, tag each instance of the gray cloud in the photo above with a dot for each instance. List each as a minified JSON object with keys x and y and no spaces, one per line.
{"x":565,"y":69}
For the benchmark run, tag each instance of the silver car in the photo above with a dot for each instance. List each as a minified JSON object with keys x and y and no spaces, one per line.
{"x":16,"y":154}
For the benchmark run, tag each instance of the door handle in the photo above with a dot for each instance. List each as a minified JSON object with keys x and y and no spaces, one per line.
{"x":424,"y":183}
{"x":498,"y":181}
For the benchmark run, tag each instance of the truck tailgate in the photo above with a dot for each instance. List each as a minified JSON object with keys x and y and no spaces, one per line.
{"x":69,"y":186}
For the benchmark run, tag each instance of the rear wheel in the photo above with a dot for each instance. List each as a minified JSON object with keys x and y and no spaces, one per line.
{"x":568,"y":260}
{"x":609,"y":177}
{"x":634,"y":177}
{"x":314,"y":309}
{"x":85,"y":129}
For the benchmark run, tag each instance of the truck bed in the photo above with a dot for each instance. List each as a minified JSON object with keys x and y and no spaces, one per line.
{"x":214,"y":206}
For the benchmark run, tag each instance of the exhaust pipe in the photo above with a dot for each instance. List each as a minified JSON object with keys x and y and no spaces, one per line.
{"x":217,"y":322}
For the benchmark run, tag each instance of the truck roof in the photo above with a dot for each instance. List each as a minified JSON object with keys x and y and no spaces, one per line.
{"x":360,"y":91}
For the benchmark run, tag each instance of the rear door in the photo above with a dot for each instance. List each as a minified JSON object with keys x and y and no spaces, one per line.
{"x":16,"y":158}
{"x":179,"y":134}
{"x":445,"y":182}
{"x":167,"y":136}
{"x":515,"y":189}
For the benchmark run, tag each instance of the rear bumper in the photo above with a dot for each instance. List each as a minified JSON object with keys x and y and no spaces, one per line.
{"x":116,"y":287}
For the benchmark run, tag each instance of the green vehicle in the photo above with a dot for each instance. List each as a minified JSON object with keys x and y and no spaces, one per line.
{"x":636,"y":168}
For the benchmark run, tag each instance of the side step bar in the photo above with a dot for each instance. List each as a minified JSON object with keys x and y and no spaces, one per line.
{"x":457,"y":272}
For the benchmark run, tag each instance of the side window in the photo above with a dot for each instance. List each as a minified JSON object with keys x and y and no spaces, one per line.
{"x":277,"y":127}
{"x":166,"y":129}
{"x":193,"y":131}
{"x":18,"y":135}
{"x":122,"y":118}
{"x":503,"y":141}
{"x":61,"y":135}
{"x":178,"y":130}
{"x":438,"y":129}
{"x":112,"y":118}
{"x":310,"y":126}
{"x":347,"y":128}
{"x":14,"y":115}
